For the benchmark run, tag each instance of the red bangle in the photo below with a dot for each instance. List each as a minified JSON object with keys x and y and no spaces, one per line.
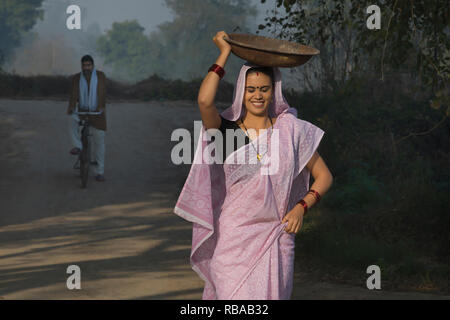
{"x":217,"y":69}
{"x":305,"y":206}
{"x":316,"y":194}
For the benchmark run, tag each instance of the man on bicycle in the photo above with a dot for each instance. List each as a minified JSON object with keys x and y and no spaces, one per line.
{"x":89,"y":92}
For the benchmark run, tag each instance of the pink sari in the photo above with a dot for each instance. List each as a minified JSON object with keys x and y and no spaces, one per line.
{"x":239,"y":246}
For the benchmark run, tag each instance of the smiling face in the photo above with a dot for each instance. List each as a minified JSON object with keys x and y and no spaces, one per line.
{"x":258,"y":93}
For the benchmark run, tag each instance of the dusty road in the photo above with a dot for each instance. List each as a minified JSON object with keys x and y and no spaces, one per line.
{"x":122,"y":233}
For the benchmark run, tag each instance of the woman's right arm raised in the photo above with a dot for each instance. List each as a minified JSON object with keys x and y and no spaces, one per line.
{"x":207,"y":93}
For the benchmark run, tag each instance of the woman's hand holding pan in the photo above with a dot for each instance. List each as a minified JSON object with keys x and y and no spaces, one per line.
{"x":219,"y":40}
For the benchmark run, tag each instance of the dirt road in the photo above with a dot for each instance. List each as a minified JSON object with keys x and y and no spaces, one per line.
{"x":121,"y":233}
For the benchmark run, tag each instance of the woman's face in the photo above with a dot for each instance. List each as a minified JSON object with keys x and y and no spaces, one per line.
{"x":258,"y":93}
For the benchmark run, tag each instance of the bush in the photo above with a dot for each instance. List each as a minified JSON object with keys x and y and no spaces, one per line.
{"x":152,"y":88}
{"x":389,"y":201}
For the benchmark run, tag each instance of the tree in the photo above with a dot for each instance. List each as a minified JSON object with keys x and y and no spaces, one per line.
{"x":51,"y":48}
{"x":16,"y":17}
{"x":413,"y":38}
{"x":179,"y":49}
{"x":411,"y":51}
{"x":183,"y":48}
{"x":126,"y":49}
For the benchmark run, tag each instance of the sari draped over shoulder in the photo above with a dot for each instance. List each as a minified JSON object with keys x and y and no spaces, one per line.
{"x":239,"y":246}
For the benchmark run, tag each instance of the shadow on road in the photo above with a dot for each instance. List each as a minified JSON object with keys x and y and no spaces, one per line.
{"x":123,"y":230}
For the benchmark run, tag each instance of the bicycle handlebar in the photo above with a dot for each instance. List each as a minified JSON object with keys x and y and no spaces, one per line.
{"x":88,"y":113}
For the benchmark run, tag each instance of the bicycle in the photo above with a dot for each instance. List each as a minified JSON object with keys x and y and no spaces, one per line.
{"x":83,"y":159}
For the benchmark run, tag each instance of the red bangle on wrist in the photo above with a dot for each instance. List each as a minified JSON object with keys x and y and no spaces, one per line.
{"x":305,"y":206}
{"x":316,"y":194}
{"x":217,"y":69}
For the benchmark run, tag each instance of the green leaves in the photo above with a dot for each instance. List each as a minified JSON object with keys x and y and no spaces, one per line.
{"x":416,"y":41}
{"x":126,"y":48}
{"x":188,"y":37}
{"x":16,"y":17}
{"x":179,"y":49}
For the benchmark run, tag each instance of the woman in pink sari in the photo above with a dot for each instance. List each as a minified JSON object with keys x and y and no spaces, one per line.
{"x":246,"y":212}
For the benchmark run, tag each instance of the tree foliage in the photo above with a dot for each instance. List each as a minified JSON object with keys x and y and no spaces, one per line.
{"x":179,"y":49}
{"x":51,"y":48}
{"x":413,"y":38}
{"x":16,"y":17}
{"x":183,"y":48}
{"x":126,"y":49}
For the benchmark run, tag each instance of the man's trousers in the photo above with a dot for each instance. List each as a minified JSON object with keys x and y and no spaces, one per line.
{"x":96,"y":142}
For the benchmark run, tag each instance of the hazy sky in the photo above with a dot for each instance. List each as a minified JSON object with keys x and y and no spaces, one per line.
{"x":149,"y":13}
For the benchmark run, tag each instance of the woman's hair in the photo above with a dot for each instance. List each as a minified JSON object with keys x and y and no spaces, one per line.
{"x":268,"y":71}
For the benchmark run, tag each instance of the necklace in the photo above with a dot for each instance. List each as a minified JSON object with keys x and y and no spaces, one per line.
{"x":258,"y":155}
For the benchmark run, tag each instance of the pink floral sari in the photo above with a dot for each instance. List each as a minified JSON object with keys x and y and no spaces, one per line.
{"x":239,"y":246}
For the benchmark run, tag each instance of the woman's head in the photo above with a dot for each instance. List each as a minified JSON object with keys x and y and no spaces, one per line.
{"x":278,"y":104}
{"x":259,"y":88}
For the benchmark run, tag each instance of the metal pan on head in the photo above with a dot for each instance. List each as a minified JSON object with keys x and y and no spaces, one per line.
{"x":270,"y":52}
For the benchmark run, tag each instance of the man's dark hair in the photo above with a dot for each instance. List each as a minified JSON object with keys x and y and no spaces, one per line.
{"x":87,"y":58}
